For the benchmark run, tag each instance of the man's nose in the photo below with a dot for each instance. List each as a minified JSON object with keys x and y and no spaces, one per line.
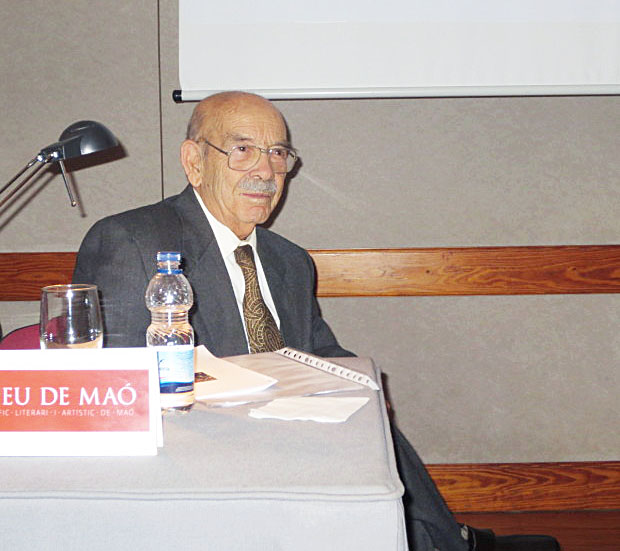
{"x":263,"y":167}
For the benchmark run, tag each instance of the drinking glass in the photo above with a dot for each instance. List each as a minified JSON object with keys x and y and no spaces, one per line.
{"x":70,"y":317}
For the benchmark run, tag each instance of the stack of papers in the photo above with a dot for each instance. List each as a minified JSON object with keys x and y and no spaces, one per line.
{"x":221,"y":380}
{"x":292,"y":388}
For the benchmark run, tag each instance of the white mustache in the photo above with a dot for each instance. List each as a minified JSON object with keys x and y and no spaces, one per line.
{"x":258,"y":186}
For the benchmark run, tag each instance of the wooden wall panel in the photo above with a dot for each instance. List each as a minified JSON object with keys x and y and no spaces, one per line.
{"x":489,"y":488}
{"x":469,"y":271}
{"x":23,"y":274}
{"x":395,"y":272}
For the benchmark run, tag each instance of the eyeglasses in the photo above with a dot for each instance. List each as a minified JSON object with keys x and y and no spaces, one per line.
{"x":244,"y":157}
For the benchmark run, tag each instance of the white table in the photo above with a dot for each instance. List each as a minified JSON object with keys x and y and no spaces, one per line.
{"x":223,"y":481}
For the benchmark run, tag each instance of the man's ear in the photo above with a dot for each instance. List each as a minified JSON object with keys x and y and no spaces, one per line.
{"x":191,"y":159}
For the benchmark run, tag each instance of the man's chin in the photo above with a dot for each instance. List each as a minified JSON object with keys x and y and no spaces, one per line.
{"x":258,"y":215}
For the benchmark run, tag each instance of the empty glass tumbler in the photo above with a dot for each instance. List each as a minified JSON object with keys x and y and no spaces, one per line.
{"x":70,"y":317}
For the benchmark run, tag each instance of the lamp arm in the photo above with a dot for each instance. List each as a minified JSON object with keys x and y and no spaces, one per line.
{"x":41,"y":158}
{"x":19,"y":186}
{"x":30,"y":163}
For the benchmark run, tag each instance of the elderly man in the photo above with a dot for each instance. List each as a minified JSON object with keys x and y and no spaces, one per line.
{"x":236,"y":157}
{"x":234,"y":185}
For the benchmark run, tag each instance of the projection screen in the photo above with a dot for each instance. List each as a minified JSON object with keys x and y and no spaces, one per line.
{"x":399,"y":48}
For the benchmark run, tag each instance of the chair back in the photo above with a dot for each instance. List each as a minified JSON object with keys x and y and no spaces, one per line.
{"x":24,"y":338}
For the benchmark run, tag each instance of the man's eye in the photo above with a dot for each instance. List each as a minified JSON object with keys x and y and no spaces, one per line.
{"x":242,"y":148}
{"x":279,"y":152}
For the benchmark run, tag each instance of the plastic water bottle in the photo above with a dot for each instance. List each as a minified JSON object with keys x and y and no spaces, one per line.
{"x":169,"y":297}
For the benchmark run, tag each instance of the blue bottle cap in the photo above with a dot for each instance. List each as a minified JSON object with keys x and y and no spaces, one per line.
{"x":168,"y":256}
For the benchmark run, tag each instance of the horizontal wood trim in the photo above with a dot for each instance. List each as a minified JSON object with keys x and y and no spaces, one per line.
{"x":22,"y":275}
{"x":574,"y":486}
{"x":395,"y":272}
{"x":469,"y":271}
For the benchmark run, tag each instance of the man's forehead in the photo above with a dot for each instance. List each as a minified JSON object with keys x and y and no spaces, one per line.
{"x":267,"y":128}
{"x":254,"y":138}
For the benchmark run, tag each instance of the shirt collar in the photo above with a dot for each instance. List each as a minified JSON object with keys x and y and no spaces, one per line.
{"x":226,"y":239}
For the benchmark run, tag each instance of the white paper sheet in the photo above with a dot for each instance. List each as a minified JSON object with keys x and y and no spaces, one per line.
{"x":228,"y":380}
{"x":310,"y":408}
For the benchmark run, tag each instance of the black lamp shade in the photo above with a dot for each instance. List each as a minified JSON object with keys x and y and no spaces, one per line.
{"x":80,"y":138}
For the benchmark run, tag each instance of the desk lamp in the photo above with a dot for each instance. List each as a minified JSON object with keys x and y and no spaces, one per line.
{"x":79,"y":139}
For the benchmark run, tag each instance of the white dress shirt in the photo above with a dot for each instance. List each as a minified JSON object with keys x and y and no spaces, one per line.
{"x":227,"y":241}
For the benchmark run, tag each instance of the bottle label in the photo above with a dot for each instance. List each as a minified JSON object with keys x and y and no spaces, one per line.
{"x":176,"y":368}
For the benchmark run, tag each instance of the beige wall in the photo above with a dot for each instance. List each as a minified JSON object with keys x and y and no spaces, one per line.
{"x":472,"y":378}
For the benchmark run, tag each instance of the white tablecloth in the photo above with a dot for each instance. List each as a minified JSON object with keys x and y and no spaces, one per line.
{"x":223,"y":481}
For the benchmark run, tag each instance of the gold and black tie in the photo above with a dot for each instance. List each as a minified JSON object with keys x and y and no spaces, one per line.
{"x":263,"y":332}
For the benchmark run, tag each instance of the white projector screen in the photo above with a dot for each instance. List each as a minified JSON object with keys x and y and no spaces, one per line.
{"x":398,"y":48}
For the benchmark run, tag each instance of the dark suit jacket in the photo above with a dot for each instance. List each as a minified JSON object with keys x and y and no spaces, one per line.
{"x":118,"y":255}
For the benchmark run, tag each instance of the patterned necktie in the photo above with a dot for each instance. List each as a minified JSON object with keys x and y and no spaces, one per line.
{"x":263,"y":332}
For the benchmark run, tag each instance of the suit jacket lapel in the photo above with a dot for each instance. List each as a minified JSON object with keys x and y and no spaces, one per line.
{"x":215,"y":316}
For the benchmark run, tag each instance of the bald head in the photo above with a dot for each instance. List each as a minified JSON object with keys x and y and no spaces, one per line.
{"x":212,"y":112}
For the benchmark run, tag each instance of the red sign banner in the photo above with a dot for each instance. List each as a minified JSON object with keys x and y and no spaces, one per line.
{"x":74,"y":400}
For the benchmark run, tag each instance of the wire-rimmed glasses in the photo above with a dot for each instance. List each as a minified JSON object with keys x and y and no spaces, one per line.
{"x":244,"y":157}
